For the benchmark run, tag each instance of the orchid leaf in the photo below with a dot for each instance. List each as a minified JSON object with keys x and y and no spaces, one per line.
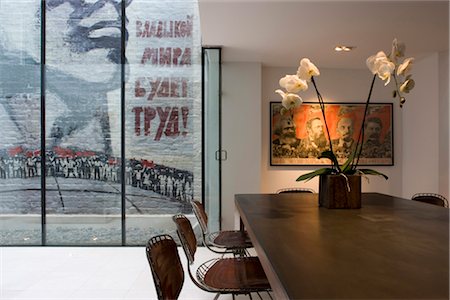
{"x":372,"y":172}
{"x":330,"y":155}
{"x":318,"y":172}
{"x":347,"y":165}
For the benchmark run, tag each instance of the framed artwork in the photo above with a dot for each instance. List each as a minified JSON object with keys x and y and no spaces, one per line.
{"x":298,"y":138}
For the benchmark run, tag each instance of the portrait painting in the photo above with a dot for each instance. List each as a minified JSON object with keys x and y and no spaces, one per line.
{"x":300,"y":136}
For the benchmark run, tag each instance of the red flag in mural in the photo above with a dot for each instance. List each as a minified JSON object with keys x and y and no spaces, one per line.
{"x":147,"y":163}
{"x":15,"y":151}
{"x":113,"y":161}
{"x":63,"y":152}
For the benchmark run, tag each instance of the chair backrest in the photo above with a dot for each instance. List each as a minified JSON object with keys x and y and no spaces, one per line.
{"x":186,"y":235}
{"x":431,"y":198}
{"x":200,"y":214}
{"x":295,"y":190}
{"x":165,"y":264}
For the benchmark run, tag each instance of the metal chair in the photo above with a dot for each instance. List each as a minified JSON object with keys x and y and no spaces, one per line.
{"x":295,"y":190}
{"x":234,"y":275}
{"x":165,"y":264}
{"x":431,"y":198}
{"x":235,"y":242}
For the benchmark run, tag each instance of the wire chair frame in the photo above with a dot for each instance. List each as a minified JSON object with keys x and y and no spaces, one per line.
{"x":186,"y":234}
{"x":295,"y":190}
{"x":438,"y":197}
{"x":170,"y":246}
{"x":208,"y":239}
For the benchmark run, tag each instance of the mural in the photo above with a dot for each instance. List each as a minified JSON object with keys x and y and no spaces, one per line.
{"x":83,"y":107}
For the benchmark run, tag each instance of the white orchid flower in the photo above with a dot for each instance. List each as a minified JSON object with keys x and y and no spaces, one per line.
{"x":381,"y":65}
{"x":407,"y":86}
{"x":289,"y":100}
{"x":405,"y":67}
{"x":375,"y":61}
{"x":385,"y":70}
{"x":398,"y":49}
{"x":307,"y":69}
{"x":293,"y":84}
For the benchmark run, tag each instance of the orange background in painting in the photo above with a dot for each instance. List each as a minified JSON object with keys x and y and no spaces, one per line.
{"x":333,"y":112}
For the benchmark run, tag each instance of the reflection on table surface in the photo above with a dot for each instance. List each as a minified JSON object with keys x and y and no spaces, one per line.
{"x":391,"y":248}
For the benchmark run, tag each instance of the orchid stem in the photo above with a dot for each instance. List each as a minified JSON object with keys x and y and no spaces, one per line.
{"x":322,"y":108}
{"x":361,"y":132}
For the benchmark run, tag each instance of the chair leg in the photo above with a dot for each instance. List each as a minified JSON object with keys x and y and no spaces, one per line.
{"x":217,"y":296}
{"x":241,"y":253}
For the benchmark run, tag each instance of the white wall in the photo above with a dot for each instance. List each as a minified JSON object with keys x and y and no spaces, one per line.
{"x":335,"y":86}
{"x":421,"y":130}
{"x":444,"y":132}
{"x":241,"y":135}
{"x":421,"y":137}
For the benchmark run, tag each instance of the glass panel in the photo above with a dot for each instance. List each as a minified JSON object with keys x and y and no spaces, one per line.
{"x":20,"y":97}
{"x":83,"y":77}
{"x":211,"y":115}
{"x":163,"y":115}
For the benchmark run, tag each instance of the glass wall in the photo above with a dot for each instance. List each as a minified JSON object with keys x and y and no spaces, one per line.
{"x":213,"y":155}
{"x":20,"y":117}
{"x":163,"y":115}
{"x":118,"y":76}
{"x":83,"y":71}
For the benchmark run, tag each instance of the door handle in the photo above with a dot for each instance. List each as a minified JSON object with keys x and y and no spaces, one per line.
{"x":221,"y":155}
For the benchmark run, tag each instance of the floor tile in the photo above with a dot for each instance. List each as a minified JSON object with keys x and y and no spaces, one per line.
{"x":79,"y":273}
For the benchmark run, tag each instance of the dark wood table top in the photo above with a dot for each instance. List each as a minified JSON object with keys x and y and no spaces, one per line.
{"x":391,"y":248}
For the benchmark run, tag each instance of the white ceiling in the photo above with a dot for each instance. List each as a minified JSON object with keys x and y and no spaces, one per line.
{"x":281,"y":32}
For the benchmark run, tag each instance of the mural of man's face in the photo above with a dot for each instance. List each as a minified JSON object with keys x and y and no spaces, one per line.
{"x":84,"y":34}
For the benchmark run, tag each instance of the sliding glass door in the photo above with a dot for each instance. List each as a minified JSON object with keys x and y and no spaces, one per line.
{"x":212,"y":132}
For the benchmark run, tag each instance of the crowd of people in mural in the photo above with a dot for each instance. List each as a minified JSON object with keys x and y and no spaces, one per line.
{"x":143,"y":174}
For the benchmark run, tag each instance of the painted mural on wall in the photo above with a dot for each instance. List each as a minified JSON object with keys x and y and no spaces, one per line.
{"x":83,"y":106}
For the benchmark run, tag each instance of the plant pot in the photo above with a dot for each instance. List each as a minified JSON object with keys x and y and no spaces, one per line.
{"x":334,"y":192}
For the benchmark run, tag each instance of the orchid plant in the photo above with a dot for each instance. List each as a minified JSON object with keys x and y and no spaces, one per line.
{"x":386,"y":67}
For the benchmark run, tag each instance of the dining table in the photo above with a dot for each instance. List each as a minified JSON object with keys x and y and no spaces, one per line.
{"x":390,"y":248}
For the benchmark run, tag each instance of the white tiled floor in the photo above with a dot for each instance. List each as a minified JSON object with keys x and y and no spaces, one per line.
{"x":86,"y":273}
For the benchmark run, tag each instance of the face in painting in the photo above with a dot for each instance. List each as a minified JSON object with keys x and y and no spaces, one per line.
{"x":83,"y":38}
{"x":345,"y":129}
{"x":287,"y":127}
{"x":373,"y":131}
{"x":317,"y":128}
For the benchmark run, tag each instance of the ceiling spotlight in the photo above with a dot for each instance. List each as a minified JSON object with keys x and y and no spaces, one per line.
{"x":340,"y":48}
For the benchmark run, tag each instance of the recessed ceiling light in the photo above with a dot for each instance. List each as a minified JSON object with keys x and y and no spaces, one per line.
{"x":344,"y":48}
